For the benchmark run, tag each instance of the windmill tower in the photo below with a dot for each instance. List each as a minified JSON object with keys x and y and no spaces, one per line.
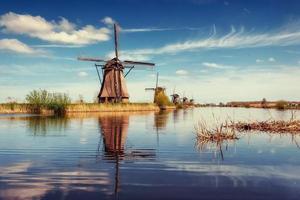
{"x":113,"y":85}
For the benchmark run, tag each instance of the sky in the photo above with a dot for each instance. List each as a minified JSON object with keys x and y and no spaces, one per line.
{"x":209,"y":50}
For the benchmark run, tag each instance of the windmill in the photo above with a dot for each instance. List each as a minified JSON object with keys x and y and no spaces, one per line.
{"x":157,"y":90}
{"x":175,"y":97}
{"x":113,"y":86}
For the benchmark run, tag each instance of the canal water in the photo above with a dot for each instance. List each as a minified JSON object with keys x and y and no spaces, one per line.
{"x":145,"y":155}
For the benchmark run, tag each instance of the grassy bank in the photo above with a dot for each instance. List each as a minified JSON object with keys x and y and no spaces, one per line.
{"x":119,"y":107}
{"x":9,"y":108}
{"x":15,"y":108}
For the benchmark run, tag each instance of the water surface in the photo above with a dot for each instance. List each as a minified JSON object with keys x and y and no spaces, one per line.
{"x":144,"y":156}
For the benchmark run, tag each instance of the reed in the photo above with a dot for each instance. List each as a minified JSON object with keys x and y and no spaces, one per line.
{"x":15,"y":108}
{"x":270,"y":126}
{"x":111,"y":107}
{"x":220,"y":132}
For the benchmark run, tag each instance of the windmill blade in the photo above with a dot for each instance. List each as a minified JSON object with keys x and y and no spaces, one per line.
{"x":128,"y":62}
{"x":149,"y":88}
{"x":116,"y":39}
{"x":91,"y":59}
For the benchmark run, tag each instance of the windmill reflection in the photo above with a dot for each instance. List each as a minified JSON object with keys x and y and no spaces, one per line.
{"x":114,"y":130}
{"x":161,"y":119}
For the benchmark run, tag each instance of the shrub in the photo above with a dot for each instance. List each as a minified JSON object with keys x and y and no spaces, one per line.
{"x":281,"y":104}
{"x":40,"y":99}
{"x":161,"y":99}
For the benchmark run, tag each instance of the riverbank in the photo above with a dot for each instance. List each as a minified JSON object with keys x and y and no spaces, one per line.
{"x":265,"y":104}
{"x":14,"y":108}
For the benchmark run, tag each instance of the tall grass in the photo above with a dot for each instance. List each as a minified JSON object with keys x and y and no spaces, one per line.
{"x":42,"y":99}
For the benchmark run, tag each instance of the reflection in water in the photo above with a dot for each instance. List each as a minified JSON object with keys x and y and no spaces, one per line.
{"x":161,"y":119}
{"x":114,"y":128}
{"x":65,"y":168}
{"x":114,"y":132}
{"x":216,"y":148}
{"x":40,"y":125}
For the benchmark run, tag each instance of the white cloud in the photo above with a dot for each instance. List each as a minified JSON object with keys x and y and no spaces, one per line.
{"x":259,"y":61}
{"x":14,"y":45}
{"x":108,"y":21}
{"x":182,"y":72}
{"x":286,"y":36}
{"x":82,"y":74}
{"x":213,"y":65}
{"x":271,"y":59}
{"x":57,"y":46}
{"x":63,"y":31}
{"x":123,"y":55}
{"x":133,"y":30}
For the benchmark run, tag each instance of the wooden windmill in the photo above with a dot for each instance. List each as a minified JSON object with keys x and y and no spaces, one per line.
{"x":157,"y":90}
{"x":175,"y":97}
{"x":113,"y":86}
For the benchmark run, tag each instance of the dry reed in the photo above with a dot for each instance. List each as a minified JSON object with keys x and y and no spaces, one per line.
{"x":271,"y":126}
{"x":221,"y":132}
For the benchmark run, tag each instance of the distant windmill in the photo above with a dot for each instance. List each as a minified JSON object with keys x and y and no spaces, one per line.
{"x":175,"y":97}
{"x":157,"y":90}
{"x":113,"y":85}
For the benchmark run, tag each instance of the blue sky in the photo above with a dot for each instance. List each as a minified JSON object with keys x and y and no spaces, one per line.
{"x":208,"y":50}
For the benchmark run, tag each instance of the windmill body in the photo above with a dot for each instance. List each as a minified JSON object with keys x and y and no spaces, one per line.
{"x":113,"y":85}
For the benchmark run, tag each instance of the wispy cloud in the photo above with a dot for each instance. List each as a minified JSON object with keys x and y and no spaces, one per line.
{"x":82,"y":74}
{"x":127,"y":56}
{"x":271,"y":59}
{"x":214,"y":65}
{"x":259,"y":60}
{"x":16,"y":46}
{"x":133,"y":30}
{"x":182,"y":72}
{"x":286,"y":36}
{"x":62,"y":32}
{"x":110,"y":21}
{"x":56,"y":46}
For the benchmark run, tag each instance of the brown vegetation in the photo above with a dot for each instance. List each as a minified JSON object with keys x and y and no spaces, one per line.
{"x":221,"y":132}
{"x":270,"y":126}
{"x":111,"y":107}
